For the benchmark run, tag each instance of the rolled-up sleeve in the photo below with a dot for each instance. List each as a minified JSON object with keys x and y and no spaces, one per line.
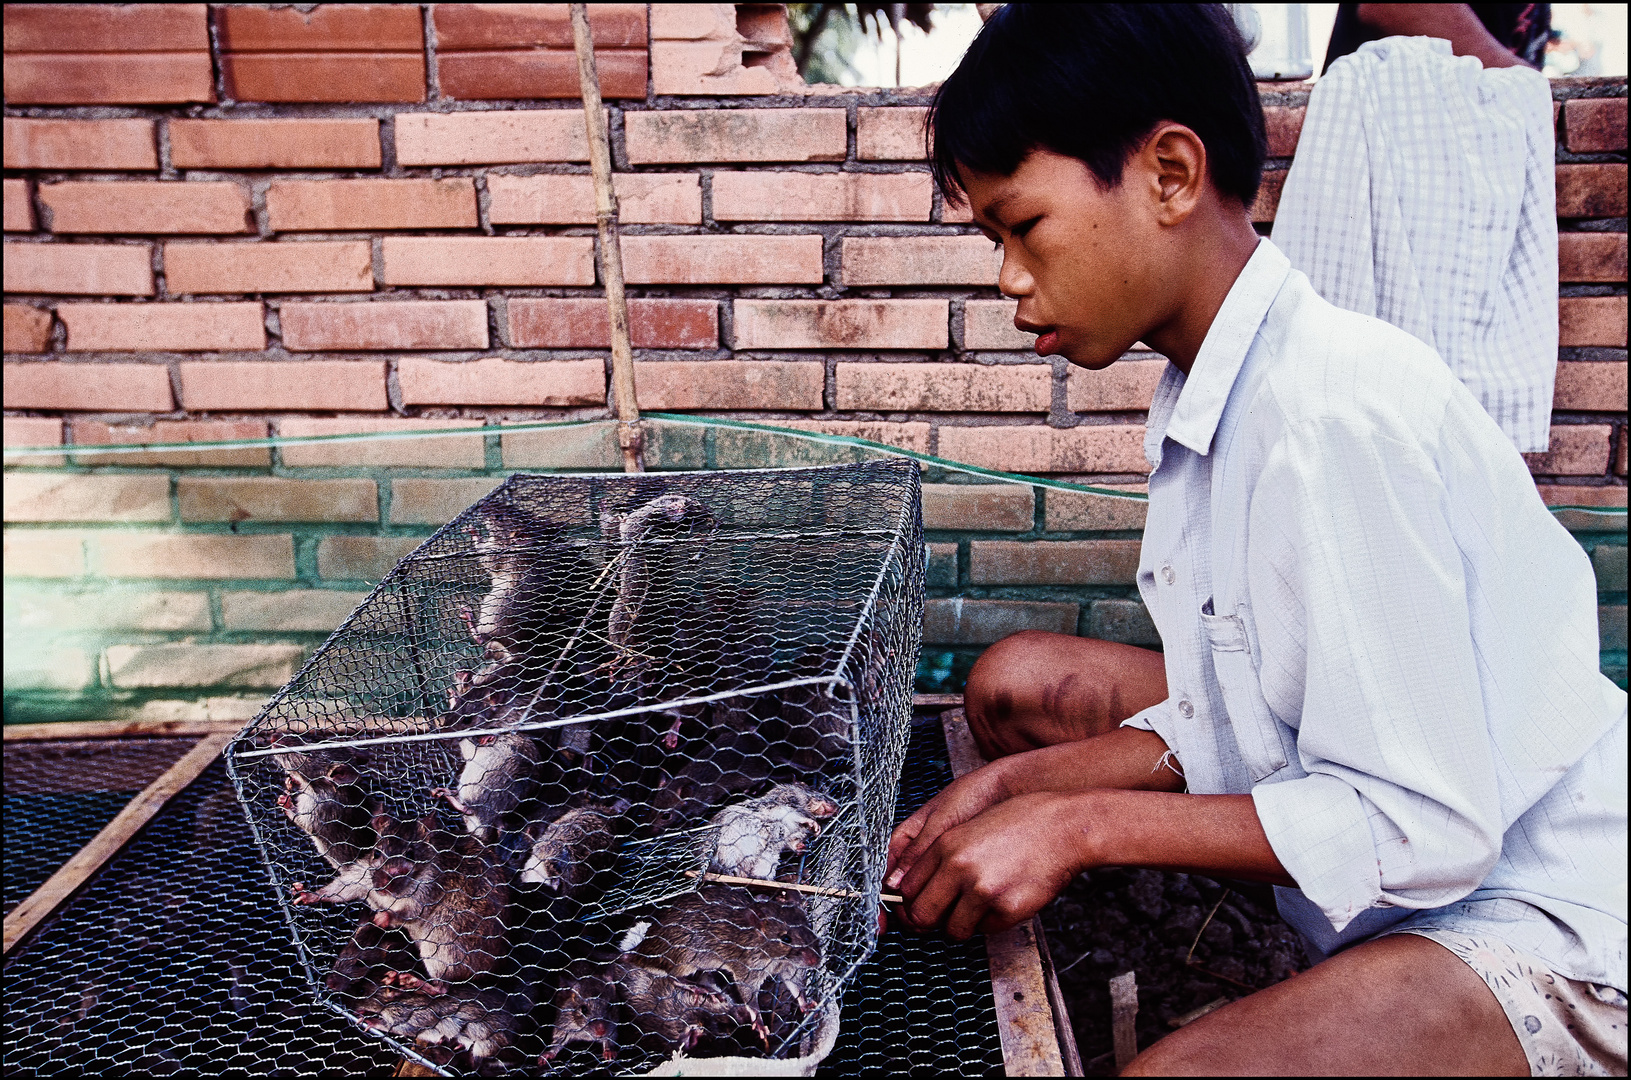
{"x":1364,"y":632}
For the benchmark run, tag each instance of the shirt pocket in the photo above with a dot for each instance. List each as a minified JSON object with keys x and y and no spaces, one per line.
{"x":1256,"y":730}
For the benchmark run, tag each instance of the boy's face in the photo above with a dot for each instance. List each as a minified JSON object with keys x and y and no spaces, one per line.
{"x":1083,"y":261}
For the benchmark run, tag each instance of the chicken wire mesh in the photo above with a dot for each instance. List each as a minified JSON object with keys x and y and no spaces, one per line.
{"x":515,"y":806}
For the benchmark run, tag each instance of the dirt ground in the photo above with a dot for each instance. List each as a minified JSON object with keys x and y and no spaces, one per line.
{"x":1114,"y":920}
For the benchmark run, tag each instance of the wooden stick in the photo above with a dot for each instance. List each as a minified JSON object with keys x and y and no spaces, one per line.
{"x":1123,"y":1017}
{"x":611,"y":252}
{"x":112,"y":839}
{"x":842,"y":894}
{"x":117,"y":729}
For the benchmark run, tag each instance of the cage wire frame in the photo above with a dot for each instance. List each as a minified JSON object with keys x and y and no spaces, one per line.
{"x":863,"y":676}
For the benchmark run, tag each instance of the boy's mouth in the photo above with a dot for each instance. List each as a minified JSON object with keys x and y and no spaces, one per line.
{"x":1047,"y":343}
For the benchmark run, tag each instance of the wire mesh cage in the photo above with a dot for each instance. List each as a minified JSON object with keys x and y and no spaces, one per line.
{"x":604,"y":770}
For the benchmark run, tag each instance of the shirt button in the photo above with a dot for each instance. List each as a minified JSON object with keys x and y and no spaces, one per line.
{"x":1167,"y":575}
{"x":1185,"y":709}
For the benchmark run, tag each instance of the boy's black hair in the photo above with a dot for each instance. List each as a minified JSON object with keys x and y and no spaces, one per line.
{"x":1091,"y":81}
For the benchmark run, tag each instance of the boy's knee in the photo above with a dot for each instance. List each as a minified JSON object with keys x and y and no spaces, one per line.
{"x":995,"y":701}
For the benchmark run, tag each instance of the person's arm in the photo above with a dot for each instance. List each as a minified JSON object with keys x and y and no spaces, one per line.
{"x":1009,"y":862}
{"x":1455,"y":23}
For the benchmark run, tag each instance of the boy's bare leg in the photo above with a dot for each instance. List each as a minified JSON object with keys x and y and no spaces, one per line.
{"x":1038,"y":689}
{"x":1399,"y":1005}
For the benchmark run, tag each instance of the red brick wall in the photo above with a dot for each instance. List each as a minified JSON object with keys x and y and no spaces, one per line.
{"x":227,"y":221}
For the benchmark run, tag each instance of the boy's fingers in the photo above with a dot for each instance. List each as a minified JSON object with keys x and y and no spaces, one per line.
{"x":965,"y":919}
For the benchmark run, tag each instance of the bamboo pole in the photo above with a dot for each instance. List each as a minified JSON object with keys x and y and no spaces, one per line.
{"x":611,"y":253}
{"x":818,"y":890}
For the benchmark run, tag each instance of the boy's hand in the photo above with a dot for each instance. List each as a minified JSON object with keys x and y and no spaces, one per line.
{"x":961,"y":800}
{"x":999,"y":868}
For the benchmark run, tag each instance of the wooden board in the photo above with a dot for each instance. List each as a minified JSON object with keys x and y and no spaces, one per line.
{"x":1036,"y":1035}
{"x":119,"y":729}
{"x":114,"y":836}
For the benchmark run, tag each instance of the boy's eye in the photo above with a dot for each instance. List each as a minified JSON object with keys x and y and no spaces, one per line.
{"x":1025,"y":226}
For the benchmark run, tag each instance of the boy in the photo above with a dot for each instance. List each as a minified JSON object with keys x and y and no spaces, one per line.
{"x":1380,"y":680}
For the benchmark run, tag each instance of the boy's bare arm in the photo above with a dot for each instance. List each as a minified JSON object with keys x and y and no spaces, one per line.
{"x":1122,"y":758}
{"x":1005,"y":864}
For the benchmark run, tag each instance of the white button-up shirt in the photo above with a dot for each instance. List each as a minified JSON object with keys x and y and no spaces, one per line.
{"x":1373,"y":625}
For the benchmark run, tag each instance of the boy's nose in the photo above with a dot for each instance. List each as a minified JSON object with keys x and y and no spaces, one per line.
{"x":1012,"y":280}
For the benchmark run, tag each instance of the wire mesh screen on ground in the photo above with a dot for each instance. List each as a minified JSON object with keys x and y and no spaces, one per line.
{"x":491,"y":803}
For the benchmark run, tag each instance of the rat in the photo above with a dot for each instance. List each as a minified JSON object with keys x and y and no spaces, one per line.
{"x":674,"y":1014}
{"x":584,"y":1011}
{"x":360,"y":968}
{"x":752,"y":835}
{"x":642,"y":570}
{"x":332,"y":809}
{"x":477,"y":1022}
{"x":496,"y":779}
{"x":568,"y":852}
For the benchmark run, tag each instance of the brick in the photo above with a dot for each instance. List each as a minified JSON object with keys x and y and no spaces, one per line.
{"x":98,"y":269}
{"x":1620,"y":458}
{"x":841,"y":324}
{"x":1611,"y":627}
{"x":86,"y":497}
{"x":981,"y":622}
{"x":259,"y":385}
{"x":1284,"y":126}
{"x":406,"y":324}
{"x":1590,"y":191}
{"x":1582,"y":495}
{"x":955,"y":213}
{"x":1591,"y":320}
{"x":481,"y":138}
{"x":942,"y":572}
{"x":920,"y":260}
{"x":276,"y":498}
{"x":1591,"y":256}
{"x":326,"y":27}
{"x":427,"y":453}
{"x":585,"y":324}
{"x":1125,"y":386}
{"x":1590,"y":387}
{"x":1073,"y":511}
{"x":133,"y":667}
{"x":751,"y":448}
{"x":147,"y":206}
{"x":731,"y":67}
{"x":19,"y":211}
{"x":1126,"y":621}
{"x":489,"y":260}
{"x":40,"y":666}
{"x":1574,"y":450}
{"x":154,"y":78}
{"x":890,"y":134}
{"x":105,"y":28}
{"x":684,"y":136}
{"x":945,"y":387}
{"x":792,"y":196}
{"x":502,"y":382}
{"x":722,"y":260}
{"x":288,"y":611}
{"x":692,"y":22}
{"x":263,"y":267}
{"x":27,"y":329}
{"x":499,"y":26}
{"x":580,"y":446}
{"x":1054,"y":562}
{"x":1087,"y":448}
{"x":44,"y":553}
{"x":80,"y":144}
{"x":522,"y":74}
{"x":336,"y":143}
{"x":33,"y":431}
{"x":333,"y":205}
{"x":729,"y":384}
{"x":362,"y":558}
{"x":913,"y":435}
{"x":989,"y":324}
{"x":324,"y":76}
{"x":191,"y":555}
{"x":1268,"y":195}
{"x":88,"y":387}
{"x":435,"y":502}
{"x":983,"y":507}
{"x":109,"y":609}
{"x":92,"y":432}
{"x":569,"y":199}
{"x":163,"y":327}
{"x":1609,"y":564}
{"x":1595,"y":124}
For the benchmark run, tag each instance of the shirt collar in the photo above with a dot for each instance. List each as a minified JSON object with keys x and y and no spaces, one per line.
{"x":1194,"y":417}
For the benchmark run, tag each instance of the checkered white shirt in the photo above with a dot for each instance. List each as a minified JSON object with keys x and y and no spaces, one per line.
{"x":1373,"y":625}
{"x":1422,"y":193}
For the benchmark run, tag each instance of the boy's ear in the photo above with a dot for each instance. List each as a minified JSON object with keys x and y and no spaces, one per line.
{"x":1175,"y":162}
